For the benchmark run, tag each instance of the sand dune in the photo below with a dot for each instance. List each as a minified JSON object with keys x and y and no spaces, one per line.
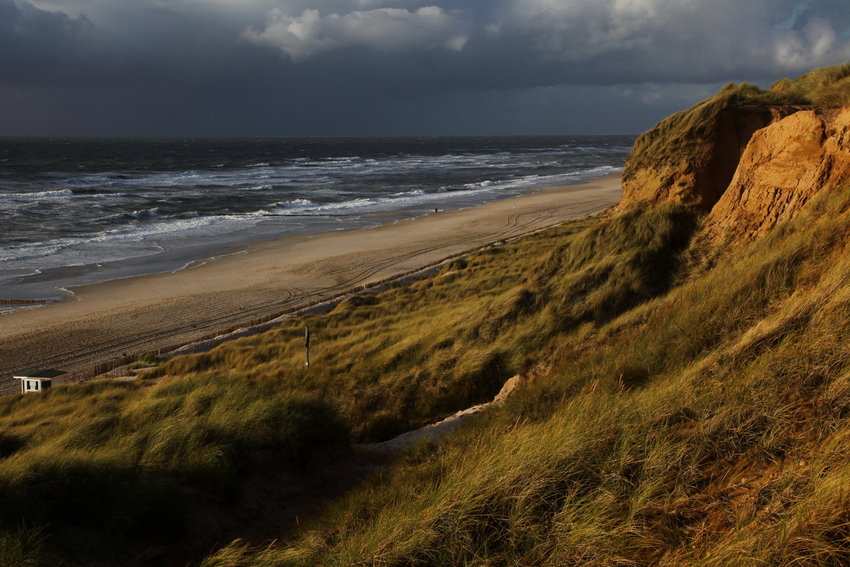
{"x":105,"y":322}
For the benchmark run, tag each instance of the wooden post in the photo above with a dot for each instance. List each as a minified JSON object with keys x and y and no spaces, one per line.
{"x":306,"y":345}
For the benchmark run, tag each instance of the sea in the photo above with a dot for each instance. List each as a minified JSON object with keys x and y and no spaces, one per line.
{"x":80,"y":211}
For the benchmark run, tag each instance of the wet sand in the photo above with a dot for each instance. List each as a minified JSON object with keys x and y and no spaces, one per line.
{"x":108,"y":321}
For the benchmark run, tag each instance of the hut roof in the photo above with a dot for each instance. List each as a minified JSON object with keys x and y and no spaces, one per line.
{"x":41,"y":373}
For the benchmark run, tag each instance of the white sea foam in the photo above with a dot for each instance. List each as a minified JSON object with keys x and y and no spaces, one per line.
{"x":226,"y":203}
{"x":37,"y":195}
{"x":150,"y":213}
{"x":131,"y":241}
{"x":420,"y":197}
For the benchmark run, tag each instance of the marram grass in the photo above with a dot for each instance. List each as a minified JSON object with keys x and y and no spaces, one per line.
{"x":116,"y":459}
{"x":707,"y":425}
{"x":678,"y":414}
{"x":399,"y":359}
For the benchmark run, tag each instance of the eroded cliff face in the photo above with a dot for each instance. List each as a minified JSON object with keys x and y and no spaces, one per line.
{"x":713,"y":154}
{"x":784,"y":165}
{"x":748,"y":167}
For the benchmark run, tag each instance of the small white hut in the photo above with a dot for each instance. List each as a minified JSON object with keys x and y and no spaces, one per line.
{"x":38,"y":380}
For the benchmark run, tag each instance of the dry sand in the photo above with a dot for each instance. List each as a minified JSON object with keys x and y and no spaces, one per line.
{"x":107,"y":321}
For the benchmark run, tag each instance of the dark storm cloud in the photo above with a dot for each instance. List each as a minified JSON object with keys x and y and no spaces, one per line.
{"x":36,"y":44}
{"x":390,"y":66}
{"x":595,"y":41}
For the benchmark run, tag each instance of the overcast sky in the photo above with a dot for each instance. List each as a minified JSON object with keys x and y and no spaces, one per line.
{"x":392,"y":67}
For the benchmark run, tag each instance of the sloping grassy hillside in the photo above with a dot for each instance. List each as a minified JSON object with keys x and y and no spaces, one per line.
{"x":676,"y":414}
{"x":98,"y":469}
{"x":121,"y":465}
{"x":398,"y":359}
{"x":706,"y":426}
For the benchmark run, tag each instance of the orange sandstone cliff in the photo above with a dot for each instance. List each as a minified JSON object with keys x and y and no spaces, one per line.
{"x":701,"y":159}
{"x":747,"y":157}
{"x":782,"y":168}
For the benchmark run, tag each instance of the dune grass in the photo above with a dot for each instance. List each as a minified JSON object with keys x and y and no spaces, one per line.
{"x":116,"y":458}
{"x":21,"y":547}
{"x":110,"y":464}
{"x":706,"y":425}
{"x":398,"y":359}
{"x":827,"y":86}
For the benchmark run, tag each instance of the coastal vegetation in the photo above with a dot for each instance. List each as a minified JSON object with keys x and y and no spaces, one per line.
{"x":392,"y":361}
{"x":708,"y":425}
{"x":672,"y":411}
{"x":117,"y":458}
{"x":112,"y":460}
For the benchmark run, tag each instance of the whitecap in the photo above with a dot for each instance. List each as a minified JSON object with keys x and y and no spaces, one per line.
{"x":295,"y":204}
{"x":38,"y":195}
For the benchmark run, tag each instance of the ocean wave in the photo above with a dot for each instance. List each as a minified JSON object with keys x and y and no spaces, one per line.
{"x":485,"y":183}
{"x":295,"y":204}
{"x":128,"y":241}
{"x":305,"y":171}
{"x":149,"y":214}
{"x":401,"y":200}
{"x":367,"y":205}
{"x":38,"y":195}
{"x":562,"y":178}
{"x":216,"y":200}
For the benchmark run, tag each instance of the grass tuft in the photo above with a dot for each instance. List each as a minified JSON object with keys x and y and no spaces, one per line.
{"x":21,"y":546}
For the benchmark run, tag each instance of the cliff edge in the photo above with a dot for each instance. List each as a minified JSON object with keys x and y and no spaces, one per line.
{"x":691,"y":157}
{"x":748,"y":157}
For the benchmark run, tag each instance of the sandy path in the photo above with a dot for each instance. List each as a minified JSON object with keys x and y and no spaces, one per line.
{"x":435,"y":431}
{"x":107,"y":321}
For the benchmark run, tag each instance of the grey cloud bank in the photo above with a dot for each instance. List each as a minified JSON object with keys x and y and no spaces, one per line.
{"x":381,"y":29}
{"x":385,"y":67}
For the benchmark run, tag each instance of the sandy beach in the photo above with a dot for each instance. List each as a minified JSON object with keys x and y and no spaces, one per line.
{"x":108,"y":321}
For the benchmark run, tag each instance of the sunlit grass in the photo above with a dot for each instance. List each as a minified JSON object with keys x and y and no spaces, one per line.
{"x":117,"y":456}
{"x":403,"y":357}
{"x":707,"y":426}
{"x":675,"y":413}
